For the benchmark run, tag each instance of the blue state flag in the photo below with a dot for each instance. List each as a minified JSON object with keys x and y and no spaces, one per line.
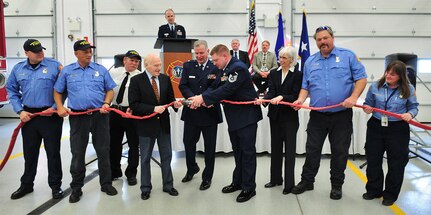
{"x":304,"y":45}
{"x":280,"y":36}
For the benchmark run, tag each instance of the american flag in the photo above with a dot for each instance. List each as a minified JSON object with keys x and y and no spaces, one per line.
{"x":252,"y":34}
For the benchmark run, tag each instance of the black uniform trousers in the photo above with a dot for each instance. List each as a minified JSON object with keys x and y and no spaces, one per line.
{"x":338,"y":127}
{"x":191,"y":137}
{"x":261,"y":83}
{"x":119,"y":125}
{"x":80,"y":127}
{"x":393,"y":139}
{"x":244,"y":149}
{"x":48,"y":128}
{"x":283,"y":134}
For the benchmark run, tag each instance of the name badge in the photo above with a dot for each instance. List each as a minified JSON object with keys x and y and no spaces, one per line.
{"x":384,"y":121}
{"x":192,"y":76}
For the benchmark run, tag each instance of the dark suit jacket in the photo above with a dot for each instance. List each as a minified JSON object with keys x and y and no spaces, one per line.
{"x":234,"y":83}
{"x":289,"y":89}
{"x":243,"y":56}
{"x":165,"y":32}
{"x":142,"y":101}
{"x":195,"y":81}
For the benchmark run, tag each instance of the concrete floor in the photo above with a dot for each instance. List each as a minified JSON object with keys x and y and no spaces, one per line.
{"x":415,"y":197}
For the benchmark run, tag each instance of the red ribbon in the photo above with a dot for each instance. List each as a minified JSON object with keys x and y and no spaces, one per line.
{"x":21,"y":124}
{"x":411,"y":122}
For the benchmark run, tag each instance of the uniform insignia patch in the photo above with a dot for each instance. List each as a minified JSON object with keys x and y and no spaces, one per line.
{"x":232,"y":77}
{"x":45,"y":70}
{"x":96,"y":73}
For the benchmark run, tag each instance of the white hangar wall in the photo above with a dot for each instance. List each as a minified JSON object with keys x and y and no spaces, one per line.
{"x":372,"y":29}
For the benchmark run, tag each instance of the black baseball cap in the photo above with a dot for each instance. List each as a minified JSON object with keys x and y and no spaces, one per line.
{"x":82,"y":45}
{"x":133,"y":54}
{"x":33,"y":45}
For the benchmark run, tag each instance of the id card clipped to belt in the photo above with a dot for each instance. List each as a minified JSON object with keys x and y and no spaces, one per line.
{"x":384,"y":120}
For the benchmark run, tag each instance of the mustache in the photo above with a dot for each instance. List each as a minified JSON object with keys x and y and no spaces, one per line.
{"x":323,"y":45}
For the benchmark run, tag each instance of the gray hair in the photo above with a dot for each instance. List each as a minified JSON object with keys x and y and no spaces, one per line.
{"x":289,"y":52}
{"x":200,"y":43}
{"x":324,"y":28}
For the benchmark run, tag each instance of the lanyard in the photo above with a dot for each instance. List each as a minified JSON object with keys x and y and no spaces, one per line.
{"x":387,"y":98}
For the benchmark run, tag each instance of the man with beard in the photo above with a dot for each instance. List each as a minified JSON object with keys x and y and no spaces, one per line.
{"x":331,"y":76}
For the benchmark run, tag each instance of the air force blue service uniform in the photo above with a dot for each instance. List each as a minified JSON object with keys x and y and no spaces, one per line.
{"x":166,"y":32}
{"x":234,"y":83}
{"x":86,"y":89}
{"x":30,"y":88}
{"x":194,"y":81}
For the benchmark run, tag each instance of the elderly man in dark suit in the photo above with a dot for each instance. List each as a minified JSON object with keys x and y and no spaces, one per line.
{"x":235,"y":84}
{"x":171,"y":29}
{"x":196,"y":78}
{"x":148,"y":93}
{"x":239,"y":54}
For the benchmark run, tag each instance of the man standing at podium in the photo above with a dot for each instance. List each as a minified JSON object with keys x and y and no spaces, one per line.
{"x":171,"y":30}
{"x":197,"y":76}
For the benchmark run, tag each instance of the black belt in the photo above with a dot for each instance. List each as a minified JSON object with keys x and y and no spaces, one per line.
{"x":90,"y":113}
{"x":34,"y":110}
{"x":389,"y":122}
{"x":331,"y":113}
{"x":119,"y":107}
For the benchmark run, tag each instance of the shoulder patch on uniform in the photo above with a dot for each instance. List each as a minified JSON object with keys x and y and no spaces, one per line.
{"x":233,"y":77}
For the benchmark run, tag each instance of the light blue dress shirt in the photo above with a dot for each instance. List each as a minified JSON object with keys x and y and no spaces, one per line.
{"x":86,"y":87}
{"x":330,"y":80}
{"x":33,"y":87}
{"x":377,"y":97}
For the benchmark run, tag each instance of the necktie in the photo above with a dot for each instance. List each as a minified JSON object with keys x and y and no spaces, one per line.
{"x":172,"y":27}
{"x":264,"y":58}
{"x":155,"y":89}
{"x":122,"y":89}
{"x":201,"y":67}
{"x":235,"y":55}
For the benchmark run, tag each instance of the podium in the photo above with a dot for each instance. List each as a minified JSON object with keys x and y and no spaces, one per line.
{"x":174,"y":52}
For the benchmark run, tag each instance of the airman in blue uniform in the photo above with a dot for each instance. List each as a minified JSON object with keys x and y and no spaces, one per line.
{"x":30,"y":89}
{"x":234,"y":83}
{"x":197,"y":76}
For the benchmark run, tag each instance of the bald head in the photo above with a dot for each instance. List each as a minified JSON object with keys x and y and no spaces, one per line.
{"x":153,"y":64}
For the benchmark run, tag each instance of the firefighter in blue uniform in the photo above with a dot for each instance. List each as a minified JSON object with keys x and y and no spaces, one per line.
{"x":30,"y":90}
{"x":234,"y":83}
{"x":196,"y":77}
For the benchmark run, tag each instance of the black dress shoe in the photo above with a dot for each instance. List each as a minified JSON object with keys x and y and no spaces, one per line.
{"x":370,"y":196}
{"x":57,"y":193}
{"x":245,"y":195}
{"x":21,"y":192}
{"x":302,"y":187}
{"x":336,"y":193}
{"x":388,"y":202}
{"x":132,"y":181}
{"x":75,"y":196}
{"x":172,"y":191}
{"x":109,"y":189}
{"x":231,"y":188}
{"x":189,"y":176}
{"x":145,"y":195}
{"x":270,"y":184}
{"x":287,"y":191}
{"x":205,"y":185}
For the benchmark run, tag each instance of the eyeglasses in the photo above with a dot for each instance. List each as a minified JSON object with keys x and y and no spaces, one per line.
{"x":324,"y":28}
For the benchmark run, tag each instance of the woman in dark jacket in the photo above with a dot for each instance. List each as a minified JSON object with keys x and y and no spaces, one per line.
{"x":284,"y":85}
